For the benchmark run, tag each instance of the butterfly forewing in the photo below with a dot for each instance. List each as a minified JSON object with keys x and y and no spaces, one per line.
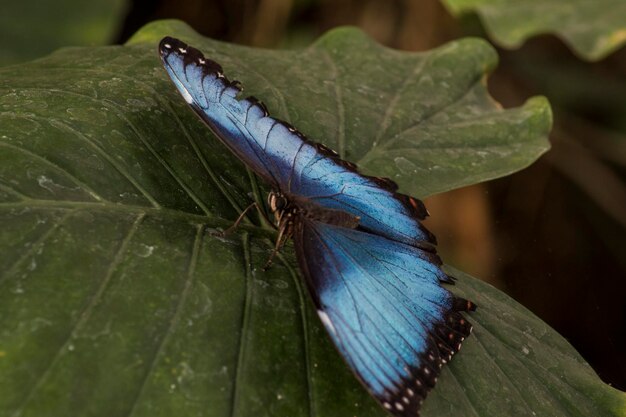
{"x":283,"y":156}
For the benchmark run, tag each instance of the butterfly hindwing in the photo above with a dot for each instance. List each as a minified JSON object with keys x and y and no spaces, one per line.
{"x":383,"y":304}
{"x":282,"y":156}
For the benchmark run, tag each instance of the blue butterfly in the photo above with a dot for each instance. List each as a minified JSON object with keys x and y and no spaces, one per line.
{"x":370,"y":265}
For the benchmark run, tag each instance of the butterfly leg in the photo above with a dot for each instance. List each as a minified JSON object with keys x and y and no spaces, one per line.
{"x":264,"y":215}
{"x":238,"y":221}
{"x":283,"y":235}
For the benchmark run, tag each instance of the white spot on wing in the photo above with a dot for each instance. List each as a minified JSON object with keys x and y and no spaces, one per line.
{"x":326,"y":320}
{"x":186,"y":95}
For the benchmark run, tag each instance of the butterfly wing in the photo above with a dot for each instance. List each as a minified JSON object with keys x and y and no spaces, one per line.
{"x":383,"y":305}
{"x":282,"y":156}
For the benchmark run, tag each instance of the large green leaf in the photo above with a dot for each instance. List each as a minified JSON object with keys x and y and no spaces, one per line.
{"x":593,"y":29}
{"x":115,"y":298}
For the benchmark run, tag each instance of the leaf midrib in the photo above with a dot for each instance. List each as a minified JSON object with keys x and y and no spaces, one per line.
{"x":209,"y":220}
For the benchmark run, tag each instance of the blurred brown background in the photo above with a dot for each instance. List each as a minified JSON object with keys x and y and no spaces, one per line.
{"x":552,"y":236}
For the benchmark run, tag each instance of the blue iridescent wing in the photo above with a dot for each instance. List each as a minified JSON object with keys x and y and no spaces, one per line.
{"x":282,"y":156}
{"x":383,"y":305}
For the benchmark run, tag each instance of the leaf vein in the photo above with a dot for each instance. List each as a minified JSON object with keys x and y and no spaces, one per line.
{"x":305,"y":334}
{"x":384,"y":125}
{"x":277,"y":93}
{"x":13,"y":268}
{"x":387,"y":143}
{"x":84,"y":314}
{"x":245,"y":324}
{"x":56,"y":167}
{"x":502,"y":371}
{"x":341,"y":139}
{"x":175,"y":317}
{"x":469,"y":401}
{"x":515,"y":355}
{"x":204,"y":162}
{"x":211,"y":221}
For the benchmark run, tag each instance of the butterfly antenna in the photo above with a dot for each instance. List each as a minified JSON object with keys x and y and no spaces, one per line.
{"x":236,"y":224}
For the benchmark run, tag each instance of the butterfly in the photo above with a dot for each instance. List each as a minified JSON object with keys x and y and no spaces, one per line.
{"x":370,"y":265}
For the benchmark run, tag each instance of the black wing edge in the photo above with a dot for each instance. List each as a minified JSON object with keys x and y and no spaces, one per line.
{"x":445,"y":341}
{"x":169,"y":45}
{"x":190,"y":55}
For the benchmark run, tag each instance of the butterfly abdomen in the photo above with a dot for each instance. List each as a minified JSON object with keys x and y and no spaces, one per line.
{"x":309,"y":210}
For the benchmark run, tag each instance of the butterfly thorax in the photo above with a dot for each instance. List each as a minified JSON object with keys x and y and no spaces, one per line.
{"x":289,"y":209}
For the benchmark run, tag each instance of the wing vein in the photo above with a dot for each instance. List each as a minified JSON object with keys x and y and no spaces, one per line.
{"x":335,"y":263}
{"x":259,"y":157}
{"x":387,"y":295}
{"x":293,"y":165}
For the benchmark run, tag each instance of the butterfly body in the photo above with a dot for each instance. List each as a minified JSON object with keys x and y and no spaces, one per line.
{"x":370,"y":265}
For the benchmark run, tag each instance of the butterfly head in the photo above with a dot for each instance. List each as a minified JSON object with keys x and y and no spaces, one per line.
{"x":278,"y":204}
{"x":276,"y":201}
